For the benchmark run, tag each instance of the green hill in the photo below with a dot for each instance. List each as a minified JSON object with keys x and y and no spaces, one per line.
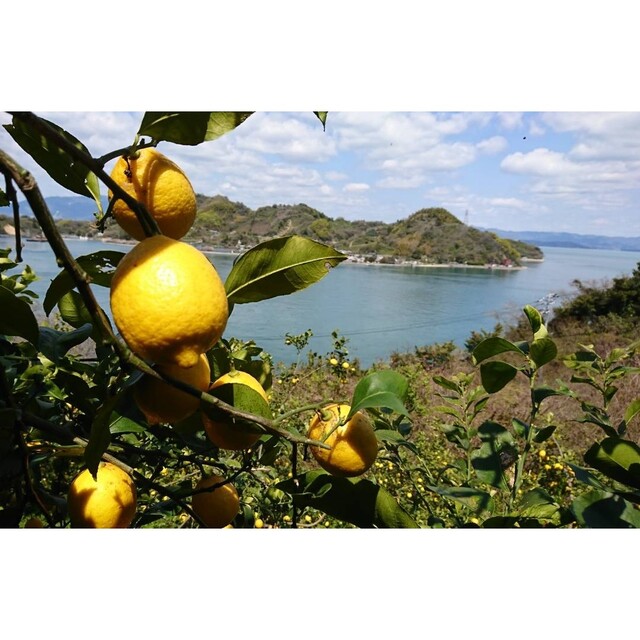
{"x":433,"y":236}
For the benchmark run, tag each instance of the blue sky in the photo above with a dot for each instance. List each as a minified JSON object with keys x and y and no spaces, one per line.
{"x":558,"y":171}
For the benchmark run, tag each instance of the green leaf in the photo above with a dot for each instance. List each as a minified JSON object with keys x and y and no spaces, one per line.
{"x":4,"y":200}
{"x":496,"y":375}
{"x":119,"y":423}
{"x":190,"y":127}
{"x":57,"y":163}
{"x":100,"y":436}
{"x":535,"y":322}
{"x":538,"y":504}
{"x":587,"y":477}
{"x":542,"y":351}
{"x":16,"y":318}
{"x":386,"y":389}
{"x":243,"y":398}
{"x":74,"y":312}
{"x":542,"y":393}
{"x":99,"y":266}
{"x":492,"y":347}
{"x":475,"y":499}
{"x":357,"y":501}
{"x":617,"y":459}
{"x":441,"y":381}
{"x":279,"y":267}
{"x":55,"y":344}
{"x":322,"y":116}
{"x":632,"y":410}
{"x":487,"y":461}
{"x":544,"y":433}
{"x":602,"y":509}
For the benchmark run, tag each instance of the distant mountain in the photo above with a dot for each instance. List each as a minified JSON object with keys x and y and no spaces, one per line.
{"x":431,"y":235}
{"x":572,"y":240}
{"x":68,"y":207}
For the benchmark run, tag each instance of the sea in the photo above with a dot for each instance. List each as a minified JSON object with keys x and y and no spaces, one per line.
{"x":382,"y":309}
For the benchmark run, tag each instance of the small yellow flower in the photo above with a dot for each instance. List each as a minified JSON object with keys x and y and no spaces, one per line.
{"x":307,"y":518}
{"x":557,"y":465}
{"x":287,"y":518}
{"x":345,"y":365}
{"x":547,"y":467}
{"x":333,"y":362}
{"x":542,"y":453}
{"x":474,"y":520}
{"x":409,"y":494}
{"x":259,"y":523}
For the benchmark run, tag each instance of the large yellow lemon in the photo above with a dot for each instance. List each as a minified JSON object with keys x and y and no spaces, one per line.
{"x":162,"y":402}
{"x":228,"y":434}
{"x":161,"y":186}
{"x":108,"y":502}
{"x":354,"y":446}
{"x":168,"y":301}
{"x":216,"y":508}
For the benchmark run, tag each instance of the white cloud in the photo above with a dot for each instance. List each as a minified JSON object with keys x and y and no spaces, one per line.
{"x":492,"y":145}
{"x":356,"y":186}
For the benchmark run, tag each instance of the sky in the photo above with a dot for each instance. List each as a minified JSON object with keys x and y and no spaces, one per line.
{"x":544,"y":171}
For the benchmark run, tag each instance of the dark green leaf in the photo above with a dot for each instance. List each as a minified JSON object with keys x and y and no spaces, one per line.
{"x":123,"y":424}
{"x":386,"y":389}
{"x":57,"y":163}
{"x":4,"y":200}
{"x":496,"y":375}
{"x":16,"y":318}
{"x":100,"y":436}
{"x":99,"y":266}
{"x":617,"y":459}
{"x":497,"y":449}
{"x":475,"y":499}
{"x":447,"y":384}
{"x":602,"y":509}
{"x":542,"y":393}
{"x":74,"y":312}
{"x":542,"y":351}
{"x":520,"y":428}
{"x":322,"y":116}
{"x":544,"y":433}
{"x":279,"y":267}
{"x":357,"y":501}
{"x":538,"y":504}
{"x":55,"y":344}
{"x":587,"y":477}
{"x":492,"y":347}
{"x":190,"y":127}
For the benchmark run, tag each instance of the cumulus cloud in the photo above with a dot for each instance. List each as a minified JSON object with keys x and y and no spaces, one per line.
{"x":356,"y":186}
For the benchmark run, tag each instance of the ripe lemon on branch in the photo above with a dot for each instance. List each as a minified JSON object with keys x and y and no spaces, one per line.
{"x":168,"y":301}
{"x":161,"y":186}
{"x":162,"y":402}
{"x":218,"y":507}
{"x":227,"y":433}
{"x":108,"y":502}
{"x":354,"y":446}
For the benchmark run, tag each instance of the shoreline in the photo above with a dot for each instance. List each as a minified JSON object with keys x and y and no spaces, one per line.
{"x":351,"y":260}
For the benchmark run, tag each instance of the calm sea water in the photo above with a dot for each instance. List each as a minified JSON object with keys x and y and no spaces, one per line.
{"x":383,"y":309}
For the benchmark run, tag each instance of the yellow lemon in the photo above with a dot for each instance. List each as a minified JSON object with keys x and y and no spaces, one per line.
{"x":161,"y":186}
{"x":168,"y":301}
{"x":216,"y":508}
{"x":162,"y":402}
{"x":354,"y":446}
{"x":228,"y":434}
{"x":108,"y":502}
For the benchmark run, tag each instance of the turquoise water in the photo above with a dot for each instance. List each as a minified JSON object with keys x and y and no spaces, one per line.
{"x":382,"y":309}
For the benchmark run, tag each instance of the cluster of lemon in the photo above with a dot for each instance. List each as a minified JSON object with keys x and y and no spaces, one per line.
{"x":170,"y":307}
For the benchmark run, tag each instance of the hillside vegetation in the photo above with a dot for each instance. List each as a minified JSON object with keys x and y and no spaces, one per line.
{"x":431,"y":235}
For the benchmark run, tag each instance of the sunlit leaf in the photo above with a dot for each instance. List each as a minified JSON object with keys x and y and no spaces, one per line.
{"x":66,"y":171}
{"x":542,"y":351}
{"x":386,"y":389}
{"x":190,"y":127}
{"x":605,"y":510}
{"x":618,"y":459}
{"x":279,"y":267}
{"x":493,"y":346}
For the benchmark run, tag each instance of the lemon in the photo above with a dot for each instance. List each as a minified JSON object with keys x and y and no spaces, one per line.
{"x":108,"y":502}
{"x":161,"y":186}
{"x":354,"y":446}
{"x":216,"y":508}
{"x":168,"y":301}
{"x":228,"y":434}
{"x":162,"y":402}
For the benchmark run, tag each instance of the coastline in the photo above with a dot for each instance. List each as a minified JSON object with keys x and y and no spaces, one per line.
{"x":355,"y":260}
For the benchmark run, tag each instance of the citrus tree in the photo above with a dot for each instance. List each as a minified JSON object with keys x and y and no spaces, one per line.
{"x":151,"y":415}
